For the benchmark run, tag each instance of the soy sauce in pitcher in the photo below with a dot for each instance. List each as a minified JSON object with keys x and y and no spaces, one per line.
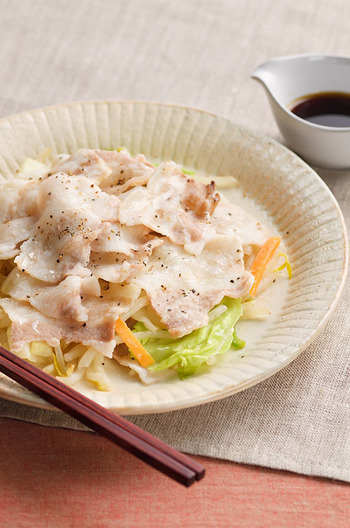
{"x":330,"y":109}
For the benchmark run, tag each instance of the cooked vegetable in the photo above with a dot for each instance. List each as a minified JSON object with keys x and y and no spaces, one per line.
{"x":133,"y":344}
{"x":58,"y":368}
{"x":262,"y":260}
{"x":286,"y":265}
{"x":188,"y":353}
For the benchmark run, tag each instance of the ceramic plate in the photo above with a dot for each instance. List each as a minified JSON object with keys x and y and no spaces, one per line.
{"x":274,"y":183}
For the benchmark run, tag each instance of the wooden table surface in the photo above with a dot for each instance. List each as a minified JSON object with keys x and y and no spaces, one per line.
{"x":53,"y":477}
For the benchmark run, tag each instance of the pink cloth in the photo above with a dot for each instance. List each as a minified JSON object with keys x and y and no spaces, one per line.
{"x":62,"y":478}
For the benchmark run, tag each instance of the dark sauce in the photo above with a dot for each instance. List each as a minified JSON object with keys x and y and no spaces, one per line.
{"x":330,"y":109}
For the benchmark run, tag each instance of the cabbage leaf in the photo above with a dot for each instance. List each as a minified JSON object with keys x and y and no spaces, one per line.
{"x":186,"y":354}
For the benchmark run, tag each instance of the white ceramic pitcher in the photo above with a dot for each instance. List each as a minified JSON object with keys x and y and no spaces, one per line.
{"x":286,"y":79}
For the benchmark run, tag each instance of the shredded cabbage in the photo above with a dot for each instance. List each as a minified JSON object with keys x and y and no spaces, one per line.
{"x":188,"y":353}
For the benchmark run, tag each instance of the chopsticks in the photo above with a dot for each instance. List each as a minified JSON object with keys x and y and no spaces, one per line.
{"x":151,"y":450}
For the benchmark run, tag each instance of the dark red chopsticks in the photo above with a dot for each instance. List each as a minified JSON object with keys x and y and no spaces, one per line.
{"x":151,"y":450}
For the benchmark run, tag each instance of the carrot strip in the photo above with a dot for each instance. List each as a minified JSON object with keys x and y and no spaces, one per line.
{"x":261,"y":261}
{"x":139,"y":351}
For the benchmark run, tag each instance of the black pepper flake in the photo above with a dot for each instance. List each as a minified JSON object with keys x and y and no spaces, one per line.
{"x":84,"y":324}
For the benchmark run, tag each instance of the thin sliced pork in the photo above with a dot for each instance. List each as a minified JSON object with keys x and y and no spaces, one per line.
{"x":174,"y":206}
{"x":127,"y":172}
{"x":12,"y":233}
{"x":114,"y":170}
{"x":183,"y":288}
{"x":28,"y":325}
{"x":66,"y":300}
{"x":72,"y":211}
{"x":229,"y":219}
{"x":84,"y":162}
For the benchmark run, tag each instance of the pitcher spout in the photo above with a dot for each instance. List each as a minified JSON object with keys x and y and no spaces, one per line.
{"x":273,"y":76}
{"x":264,"y":75}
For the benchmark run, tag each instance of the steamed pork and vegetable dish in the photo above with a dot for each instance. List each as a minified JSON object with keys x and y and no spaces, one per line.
{"x":106,"y":257}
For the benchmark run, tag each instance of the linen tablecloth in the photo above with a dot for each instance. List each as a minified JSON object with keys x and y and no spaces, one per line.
{"x":199,"y":53}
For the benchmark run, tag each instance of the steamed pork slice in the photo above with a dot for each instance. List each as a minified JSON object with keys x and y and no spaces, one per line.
{"x":120,"y":251}
{"x":84,"y":162}
{"x":183,"y":288}
{"x":115,"y":171}
{"x":119,"y":267}
{"x":60,"y":192}
{"x":72,"y":211}
{"x":174,"y":206}
{"x":113,"y":267}
{"x":169,"y":184}
{"x":229,"y":218}
{"x":18,"y":199}
{"x":18,"y":205}
{"x":12,"y":233}
{"x":126,"y":172}
{"x":52,"y":259}
{"x":66,"y":300}
{"x":129,"y":240}
{"x":28,"y":325}
{"x":200,"y":199}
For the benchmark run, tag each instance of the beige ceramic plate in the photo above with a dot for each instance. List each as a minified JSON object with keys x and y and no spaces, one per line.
{"x":281,"y":189}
